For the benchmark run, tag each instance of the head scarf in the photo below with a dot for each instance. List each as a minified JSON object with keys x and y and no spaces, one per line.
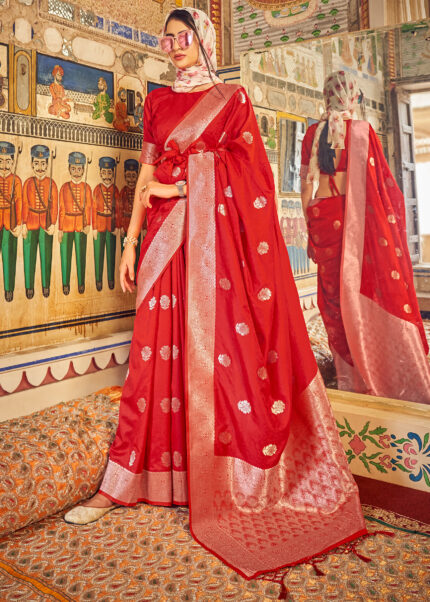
{"x":198,"y":74}
{"x":341,"y":94}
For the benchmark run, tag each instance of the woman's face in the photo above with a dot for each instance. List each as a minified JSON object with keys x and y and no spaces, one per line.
{"x":180,"y":58}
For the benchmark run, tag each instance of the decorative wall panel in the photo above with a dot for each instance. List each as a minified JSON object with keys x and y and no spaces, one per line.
{"x":285,"y":86}
{"x":71,"y":106}
{"x":254,"y":28}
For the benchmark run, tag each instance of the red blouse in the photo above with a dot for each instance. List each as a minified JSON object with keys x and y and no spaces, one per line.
{"x":307,"y":149}
{"x":157,"y":118}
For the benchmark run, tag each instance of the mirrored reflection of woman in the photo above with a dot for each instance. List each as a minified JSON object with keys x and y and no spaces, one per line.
{"x":223,"y":407}
{"x":357,"y":237}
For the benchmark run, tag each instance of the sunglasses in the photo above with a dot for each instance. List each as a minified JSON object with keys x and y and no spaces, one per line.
{"x":184,"y":39}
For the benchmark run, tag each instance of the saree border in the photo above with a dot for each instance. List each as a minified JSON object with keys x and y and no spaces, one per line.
{"x":161,"y":249}
{"x":206,"y":503}
{"x":171,"y":234}
{"x":367,"y":323}
{"x":158,"y":488}
{"x":149,"y":153}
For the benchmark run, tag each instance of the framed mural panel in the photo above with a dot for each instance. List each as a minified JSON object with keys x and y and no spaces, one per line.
{"x":4,"y":64}
{"x":74,"y":92}
{"x":129,"y":104}
{"x":22,"y":76}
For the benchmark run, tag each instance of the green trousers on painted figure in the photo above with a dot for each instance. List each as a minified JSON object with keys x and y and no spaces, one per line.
{"x":29,"y":246}
{"x":137,"y":253}
{"x":8,"y":246}
{"x":105,"y":240}
{"x":66,"y":247}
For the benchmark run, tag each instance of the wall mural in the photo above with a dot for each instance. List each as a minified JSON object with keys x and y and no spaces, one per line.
{"x":285,"y":85}
{"x":294,"y":232}
{"x":69,"y":153}
{"x":75,"y":92}
{"x":255,"y":27}
{"x":50,"y":189}
{"x":111,"y":16}
{"x":3,"y":77}
{"x":414,"y":49}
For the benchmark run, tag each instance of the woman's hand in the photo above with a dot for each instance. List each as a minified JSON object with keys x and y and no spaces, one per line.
{"x":126,"y":269}
{"x":153,"y":188}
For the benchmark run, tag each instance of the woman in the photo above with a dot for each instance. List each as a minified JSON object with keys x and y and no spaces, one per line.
{"x":357,"y":237}
{"x":221,"y":370}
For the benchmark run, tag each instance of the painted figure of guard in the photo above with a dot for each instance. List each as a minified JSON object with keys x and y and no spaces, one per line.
{"x":74,"y":220}
{"x":39,"y":216}
{"x":126,"y":198}
{"x":10,"y":214}
{"x":105,"y":222}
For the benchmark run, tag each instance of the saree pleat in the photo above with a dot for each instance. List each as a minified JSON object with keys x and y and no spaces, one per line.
{"x":148,"y":460}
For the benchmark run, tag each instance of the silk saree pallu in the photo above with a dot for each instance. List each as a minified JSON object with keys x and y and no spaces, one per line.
{"x":268,"y":481}
{"x":379,"y":306}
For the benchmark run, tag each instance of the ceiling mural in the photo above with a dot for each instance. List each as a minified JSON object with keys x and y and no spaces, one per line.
{"x":265,"y":23}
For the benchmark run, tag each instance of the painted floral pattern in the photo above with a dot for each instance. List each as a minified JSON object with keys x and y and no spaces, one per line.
{"x":381,"y":451}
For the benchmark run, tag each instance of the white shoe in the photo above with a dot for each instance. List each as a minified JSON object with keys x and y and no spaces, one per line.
{"x":82,"y":515}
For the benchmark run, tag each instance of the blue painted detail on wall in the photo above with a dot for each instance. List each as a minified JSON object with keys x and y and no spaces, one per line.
{"x":63,"y":356}
{"x":153,"y":86}
{"x":99,"y":22}
{"x":121,"y":30}
{"x":145,"y":38}
{"x":76,"y":77}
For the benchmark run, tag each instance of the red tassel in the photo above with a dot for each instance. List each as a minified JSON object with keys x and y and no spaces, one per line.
{"x":388,"y":533}
{"x":317,"y":570}
{"x":361,"y":556}
{"x":283,"y":594}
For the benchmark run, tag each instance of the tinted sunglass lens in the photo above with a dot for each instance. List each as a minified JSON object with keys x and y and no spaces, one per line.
{"x":184,"y":39}
{"x":166,"y":44}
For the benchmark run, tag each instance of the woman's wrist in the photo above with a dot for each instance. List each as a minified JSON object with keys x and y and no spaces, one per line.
{"x":131,"y":240}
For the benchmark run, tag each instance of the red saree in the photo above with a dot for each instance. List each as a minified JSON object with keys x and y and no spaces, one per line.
{"x":268,"y":482}
{"x":366,"y":292}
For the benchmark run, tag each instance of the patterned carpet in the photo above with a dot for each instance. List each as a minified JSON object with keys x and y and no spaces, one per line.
{"x":319,"y":343}
{"x":146,"y":553}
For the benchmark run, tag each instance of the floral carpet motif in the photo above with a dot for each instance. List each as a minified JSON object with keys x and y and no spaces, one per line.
{"x":147,"y":553}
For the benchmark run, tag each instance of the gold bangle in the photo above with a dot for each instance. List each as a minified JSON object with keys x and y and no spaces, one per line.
{"x":130,"y":240}
{"x":144,"y":187}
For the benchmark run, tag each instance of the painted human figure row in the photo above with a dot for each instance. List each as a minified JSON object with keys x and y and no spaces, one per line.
{"x":294,"y":233}
{"x":34,"y":208}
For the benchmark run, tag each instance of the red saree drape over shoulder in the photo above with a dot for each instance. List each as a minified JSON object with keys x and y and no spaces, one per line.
{"x":220,"y":352}
{"x":366,"y":291}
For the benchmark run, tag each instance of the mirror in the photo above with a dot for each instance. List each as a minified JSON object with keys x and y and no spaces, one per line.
{"x":291,"y":131}
{"x":285,"y":84}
